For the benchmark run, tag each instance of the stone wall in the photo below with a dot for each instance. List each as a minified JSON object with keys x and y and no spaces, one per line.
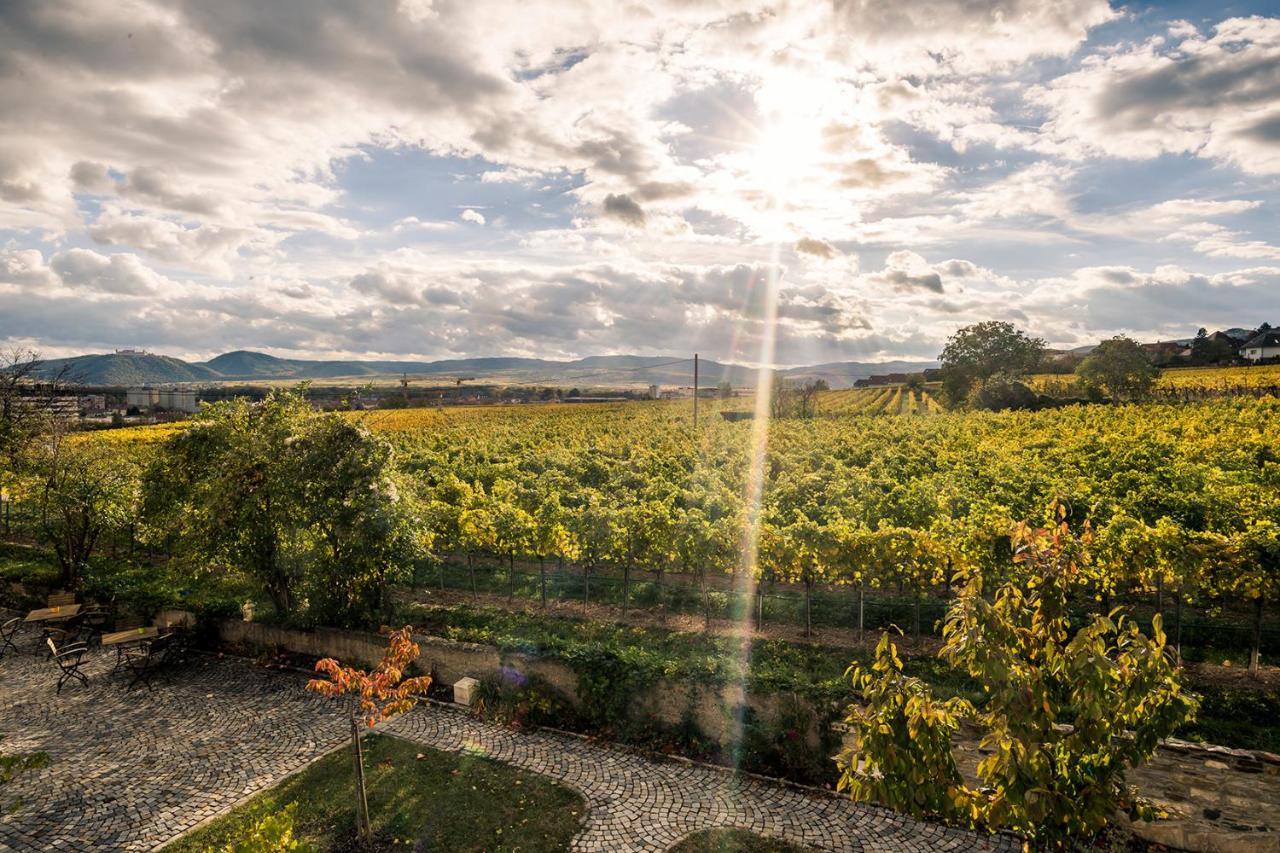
{"x":1219,"y":800}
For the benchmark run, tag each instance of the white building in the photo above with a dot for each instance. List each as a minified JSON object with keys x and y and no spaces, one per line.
{"x":169,"y":399}
{"x":1261,"y":346}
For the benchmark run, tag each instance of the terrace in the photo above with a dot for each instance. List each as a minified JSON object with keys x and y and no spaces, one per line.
{"x":136,"y":769}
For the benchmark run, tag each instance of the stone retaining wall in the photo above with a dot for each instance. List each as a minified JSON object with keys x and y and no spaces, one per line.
{"x":1219,"y":800}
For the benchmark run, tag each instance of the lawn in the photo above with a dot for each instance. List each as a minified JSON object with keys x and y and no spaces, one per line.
{"x":732,"y":841}
{"x":419,"y":799}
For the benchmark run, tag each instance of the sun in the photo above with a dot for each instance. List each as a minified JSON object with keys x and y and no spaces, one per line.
{"x":784,"y":156}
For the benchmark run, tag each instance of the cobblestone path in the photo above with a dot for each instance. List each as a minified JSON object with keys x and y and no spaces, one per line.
{"x":130,"y":770}
{"x":636,"y":804}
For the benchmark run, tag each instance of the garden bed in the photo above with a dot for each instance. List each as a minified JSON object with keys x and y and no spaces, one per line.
{"x":419,"y":798}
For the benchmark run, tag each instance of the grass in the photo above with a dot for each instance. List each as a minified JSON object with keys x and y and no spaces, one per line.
{"x":419,"y":799}
{"x":732,"y":841}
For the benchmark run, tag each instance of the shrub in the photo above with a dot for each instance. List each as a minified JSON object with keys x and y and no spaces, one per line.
{"x":1066,"y":715}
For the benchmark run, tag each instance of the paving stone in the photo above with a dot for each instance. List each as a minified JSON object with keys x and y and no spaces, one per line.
{"x":133,"y":769}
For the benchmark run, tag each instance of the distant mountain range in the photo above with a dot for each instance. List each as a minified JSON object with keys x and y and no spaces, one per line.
{"x":138,"y":368}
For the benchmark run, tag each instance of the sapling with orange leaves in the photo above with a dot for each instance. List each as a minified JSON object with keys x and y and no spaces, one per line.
{"x":375,"y":695}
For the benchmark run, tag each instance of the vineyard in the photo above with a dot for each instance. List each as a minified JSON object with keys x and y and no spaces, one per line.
{"x":857,"y":511}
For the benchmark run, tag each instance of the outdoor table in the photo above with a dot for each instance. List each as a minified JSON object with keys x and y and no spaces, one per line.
{"x":53,"y":614}
{"x":130,"y":635}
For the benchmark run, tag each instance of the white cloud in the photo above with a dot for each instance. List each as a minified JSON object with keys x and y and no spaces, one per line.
{"x":1213,"y":96}
{"x":470,"y":215}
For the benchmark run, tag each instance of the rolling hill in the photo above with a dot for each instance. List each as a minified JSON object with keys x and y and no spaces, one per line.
{"x":243,"y":366}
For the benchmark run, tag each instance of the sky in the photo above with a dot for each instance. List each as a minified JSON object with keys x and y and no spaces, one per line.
{"x":848,"y":180}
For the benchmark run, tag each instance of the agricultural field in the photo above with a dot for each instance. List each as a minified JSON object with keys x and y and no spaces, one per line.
{"x":1181,"y":497}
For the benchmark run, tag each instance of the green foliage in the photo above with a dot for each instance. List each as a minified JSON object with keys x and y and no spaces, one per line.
{"x":975,"y":354}
{"x":1066,"y":714}
{"x":85,"y":490}
{"x":13,"y":765}
{"x":306,"y":504}
{"x":1000,"y":393}
{"x":1119,"y":368}
{"x":902,"y":754}
{"x":517,"y":700}
{"x":272,"y":833}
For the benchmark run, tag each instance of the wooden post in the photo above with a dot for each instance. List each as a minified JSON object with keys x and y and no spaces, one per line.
{"x":1256,"y":652}
{"x":363,"y":829}
{"x":695,"y":390}
{"x":860,"y":612}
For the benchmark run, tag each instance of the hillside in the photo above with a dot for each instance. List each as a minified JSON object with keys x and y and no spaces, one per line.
{"x":127,"y":369}
{"x":594,"y":371}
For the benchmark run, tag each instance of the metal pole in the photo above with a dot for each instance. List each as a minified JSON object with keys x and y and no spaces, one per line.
{"x":695,"y":390}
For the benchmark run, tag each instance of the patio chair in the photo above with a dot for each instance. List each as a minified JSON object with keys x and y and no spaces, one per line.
{"x":124,"y":623}
{"x":69,"y":659}
{"x":64,"y":633}
{"x":93,"y":622}
{"x":61,"y":599}
{"x":8,"y":631}
{"x":146,"y":659}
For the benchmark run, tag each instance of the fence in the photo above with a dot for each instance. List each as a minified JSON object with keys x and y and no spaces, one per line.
{"x":1203,"y":635}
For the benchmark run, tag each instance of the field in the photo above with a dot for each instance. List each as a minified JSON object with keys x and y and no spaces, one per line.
{"x":1181,"y":497}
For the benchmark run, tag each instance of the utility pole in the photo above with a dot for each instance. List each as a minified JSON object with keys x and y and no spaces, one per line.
{"x":695,"y":390}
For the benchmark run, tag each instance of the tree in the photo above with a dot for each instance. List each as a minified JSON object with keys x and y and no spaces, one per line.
{"x":288,"y":496}
{"x":85,"y":489}
{"x":377,"y":695}
{"x":975,"y":354}
{"x":1211,"y":349}
{"x":360,"y":534}
{"x":724,"y":390}
{"x":1119,"y":368}
{"x":902,"y":750}
{"x":24,"y":413}
{"x":1066,"y":715}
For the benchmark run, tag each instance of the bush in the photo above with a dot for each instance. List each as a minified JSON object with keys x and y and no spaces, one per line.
{"x":1066,"y":715}
{"x":1001,"y":393}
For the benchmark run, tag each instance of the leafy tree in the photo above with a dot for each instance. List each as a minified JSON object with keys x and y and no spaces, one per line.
{"x":24,"y":415}
{"x":902,"y":742}
{"x":1119,"y":368}
{"x":378,"y":695}
{"x":85,"y":489}
{"x":975,"y":354}
{"x":724,"y":390}
{"x":293,"y":498}
{"x":1207,"y":349}
{"x":1066,"y":715}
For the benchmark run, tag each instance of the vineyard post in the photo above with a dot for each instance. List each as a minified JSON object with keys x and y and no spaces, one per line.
{"x":860,"y":609}
{"x":1255,"y":653}
{"x":1177,"y":625}
{"x":695,"y":390}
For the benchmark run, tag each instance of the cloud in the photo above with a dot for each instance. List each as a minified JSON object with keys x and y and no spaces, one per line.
{"x":817,"y":248}
{"x":1212,"y":96}
{"x":967,"y":35}
{"x":122,"y":274}
{"x":470,"y":215}
{"x":624,"y":209}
